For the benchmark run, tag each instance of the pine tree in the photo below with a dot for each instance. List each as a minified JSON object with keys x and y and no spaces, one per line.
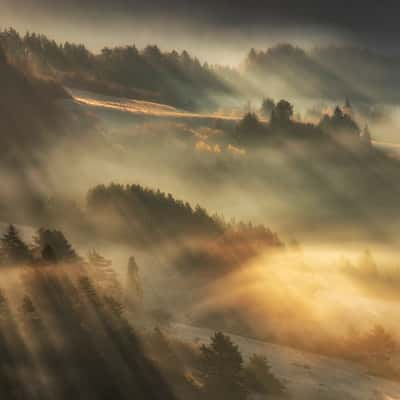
{"x":134,"y":291}
{"x":13,"y":249}
{"x":105,"y":275}
{"x":60,"y":246}
{"x":48,"y":255}
{"x":259,"y":378}
{"x":221,"y":369}
{"x":267,"y":106}
{"x":366,"y":136}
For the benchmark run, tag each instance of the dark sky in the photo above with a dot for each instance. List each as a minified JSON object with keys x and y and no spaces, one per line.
{"x":108,"y":22}
{"x":375,"y":16}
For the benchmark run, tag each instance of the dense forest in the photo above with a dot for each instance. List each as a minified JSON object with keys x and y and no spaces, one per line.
{"x":183,"y":81}
{"x":51,"y":290}
{"x":150,"y":74}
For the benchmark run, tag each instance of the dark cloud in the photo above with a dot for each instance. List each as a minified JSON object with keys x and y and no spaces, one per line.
{"x":354,"y":15}
{"x":244,"y":23}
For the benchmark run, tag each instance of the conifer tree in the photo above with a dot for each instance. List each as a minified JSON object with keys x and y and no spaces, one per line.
{"x":134,"y":291}
{"x":13,"y":249}
{"x":221,"y":369}
{"x":61,"y":248}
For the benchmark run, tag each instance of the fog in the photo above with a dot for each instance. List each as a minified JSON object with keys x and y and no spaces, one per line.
{"x":149,"y":189}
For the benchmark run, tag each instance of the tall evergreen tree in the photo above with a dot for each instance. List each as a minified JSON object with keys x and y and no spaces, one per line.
{"x":267,"y":106}
{"x":13,"y":249}
{"x":282,"y":113}
{"x":259,"y":378}
{"x":221,"y":369}
{"x":105,"y":274}
{"x":61,"y":248}
{"x":134,"y":291}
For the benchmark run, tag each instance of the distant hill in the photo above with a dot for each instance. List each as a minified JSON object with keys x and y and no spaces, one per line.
{"x":147,"y":74}
{"x":181,"y":80}
{"x":136,"y":214}
{"x":329,"y":73}
{"x":291,"y":69}
{"x":375,"y":75}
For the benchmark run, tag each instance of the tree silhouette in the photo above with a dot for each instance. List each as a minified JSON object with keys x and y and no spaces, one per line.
{"x":282,"y":113}
{"x":105,"y":274}
{"x":13,"y":249}
{"x":340,"y":124}
{"x":150,"y":74}
{"x":267,"y":106}
{"x":138,"y":214}
{"x":61,"y":248}
{"x":366,"y":137}
{"x":250,"y":129}
{"x":221,"y":369}
{"x":134,"y":291}
{"x":48,"y":255}
{"x":259,"y":378}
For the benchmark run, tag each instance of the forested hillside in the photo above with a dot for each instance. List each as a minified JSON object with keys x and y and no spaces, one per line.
{"x":150,"y":74}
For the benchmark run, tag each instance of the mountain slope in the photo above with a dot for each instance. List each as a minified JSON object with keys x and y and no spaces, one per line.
{"x":306,"y":376}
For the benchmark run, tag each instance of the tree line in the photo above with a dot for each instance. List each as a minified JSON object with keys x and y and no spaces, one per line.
{"x":340,"y":126}
{"x":48,"y":246}
{"x":171,"y":77}
{"x":70,"y":336}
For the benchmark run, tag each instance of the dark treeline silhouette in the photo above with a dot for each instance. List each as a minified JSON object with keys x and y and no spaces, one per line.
{"x":68,"y":338}
{"x":65,"y":332}
{"x":315,"y":157}
{"x":70,"y":331}
{"x":13,"y":249}
{"x":173,"y":78}
{"x":337,"y":129}
{"x":216,"y":370}
{"x":136,"y":213}
{"x":222,"y":371}
{"x":137,"y":216}
{"x":267,"y":106}
{"x":143,"y":218}
{"x":53,"y":246}
{"x":181,"y":80}
{"x":48,"y":246}
{"x":374,"y":348}
{"x":132,"y":213}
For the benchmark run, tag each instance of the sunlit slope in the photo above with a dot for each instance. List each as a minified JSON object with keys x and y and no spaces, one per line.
{"x":159,"y":110}
{"x":140,"y":107}
{"x":307,"y":376}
